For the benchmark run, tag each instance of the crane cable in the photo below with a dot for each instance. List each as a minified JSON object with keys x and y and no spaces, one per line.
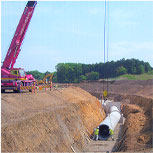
{"x":106,"y":44}
{"x":107,"y":40}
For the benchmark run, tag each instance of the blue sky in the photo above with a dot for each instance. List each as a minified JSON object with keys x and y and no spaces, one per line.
{"x":73,"y":32}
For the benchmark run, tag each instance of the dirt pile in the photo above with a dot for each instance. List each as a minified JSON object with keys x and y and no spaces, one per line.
{"x":137,"y":130}
{"x":48,"y":121}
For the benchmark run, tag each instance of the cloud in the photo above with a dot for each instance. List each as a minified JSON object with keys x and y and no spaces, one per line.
{"x":126,"y":45}
{"x":123,"y":17}
{"x":126,"y":49}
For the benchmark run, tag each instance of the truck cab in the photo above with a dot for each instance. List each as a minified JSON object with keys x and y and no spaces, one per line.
{"x":15,"y":78}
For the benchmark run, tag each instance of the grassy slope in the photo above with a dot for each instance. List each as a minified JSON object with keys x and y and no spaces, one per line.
{"x":145,"y":76}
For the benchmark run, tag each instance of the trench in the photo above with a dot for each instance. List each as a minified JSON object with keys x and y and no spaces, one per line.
{"x":44,"y":131}
{"x":142,"y":139}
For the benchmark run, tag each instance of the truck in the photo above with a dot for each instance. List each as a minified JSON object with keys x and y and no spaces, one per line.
{"x":12,"y":78}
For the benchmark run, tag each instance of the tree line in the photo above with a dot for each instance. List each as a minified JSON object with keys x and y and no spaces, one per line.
{"x":77,"y":72}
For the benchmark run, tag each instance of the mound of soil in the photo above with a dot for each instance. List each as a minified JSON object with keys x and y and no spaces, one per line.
{"x":137,"y":130}
{"x":49,"y":121}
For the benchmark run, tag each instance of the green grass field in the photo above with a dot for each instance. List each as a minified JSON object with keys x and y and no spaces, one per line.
{"x":145,"y":76}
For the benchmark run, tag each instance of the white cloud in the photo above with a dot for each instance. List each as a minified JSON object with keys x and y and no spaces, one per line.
{"x":126,"y":45}
{"x":123,"y":17}
{"x":125,"y":49}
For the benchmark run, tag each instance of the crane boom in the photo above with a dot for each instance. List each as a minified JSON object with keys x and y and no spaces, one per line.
{"x":16,"y":78}
{"x":15,"y":45}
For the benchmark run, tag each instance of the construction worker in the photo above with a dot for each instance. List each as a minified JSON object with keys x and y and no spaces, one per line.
{"x":111,"y":132}
{"x":96,"y":133}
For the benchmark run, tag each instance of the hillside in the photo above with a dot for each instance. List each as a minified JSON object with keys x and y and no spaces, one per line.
{"x":145,"y":76}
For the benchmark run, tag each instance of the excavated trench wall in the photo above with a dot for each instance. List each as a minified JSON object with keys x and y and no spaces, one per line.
{"x":49,"y":122}
{"x":137,"y":131}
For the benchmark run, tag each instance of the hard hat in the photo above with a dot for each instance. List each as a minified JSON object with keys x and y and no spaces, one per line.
{"x":98,"y":127}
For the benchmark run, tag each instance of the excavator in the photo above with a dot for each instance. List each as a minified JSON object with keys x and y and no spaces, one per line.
{"x":46,"y":80}
{"x":15,"y":78}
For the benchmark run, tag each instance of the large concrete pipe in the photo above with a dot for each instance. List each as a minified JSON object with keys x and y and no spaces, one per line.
{"x":109,"y":122}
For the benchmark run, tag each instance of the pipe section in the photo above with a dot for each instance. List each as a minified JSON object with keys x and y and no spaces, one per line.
{"x":109,"y":122}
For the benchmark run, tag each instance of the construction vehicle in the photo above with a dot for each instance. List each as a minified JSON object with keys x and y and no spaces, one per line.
{"x":46,"y":80}
{"x":16,"y":78}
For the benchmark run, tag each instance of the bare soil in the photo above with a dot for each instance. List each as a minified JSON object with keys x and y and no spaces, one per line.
{"x":137,"y":106}
{"x":62,"y":119}
{"x":142,"y":88}
{"x":48,"y":121}
{"x":137,"y":131}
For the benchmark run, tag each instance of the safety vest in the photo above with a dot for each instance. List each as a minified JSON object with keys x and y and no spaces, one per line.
{"x":96,"y":131}
{"x":111,"y":132}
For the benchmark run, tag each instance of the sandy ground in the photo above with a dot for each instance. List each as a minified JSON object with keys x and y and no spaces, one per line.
{"x":62,"y":119}
{"x":48,"y":121}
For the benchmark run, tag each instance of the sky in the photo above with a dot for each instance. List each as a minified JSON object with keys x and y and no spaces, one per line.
{"x":73,"y":32}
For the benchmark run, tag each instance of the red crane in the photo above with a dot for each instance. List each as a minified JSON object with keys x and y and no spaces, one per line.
{"x":13,"y":78}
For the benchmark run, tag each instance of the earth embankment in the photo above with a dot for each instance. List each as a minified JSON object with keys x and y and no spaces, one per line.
{"x":142,"y":88}
{"x":49,"y":121}
{"x":137,"y":133}
{"x":136,"y":98}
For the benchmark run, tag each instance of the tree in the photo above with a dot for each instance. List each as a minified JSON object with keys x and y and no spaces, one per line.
{"x":93,"y":76}
{"x":68,"y":72}
{"x":147,"y":67}
{"x":121,"y":70}
{"x":54,"y":79}
{"x":82,"y":78}
{"x":36,"y":74}
{"x":140,"y":69}
{"x":76,"y":72}
{"x":133,"y":70}
{"x":60,"y":72}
